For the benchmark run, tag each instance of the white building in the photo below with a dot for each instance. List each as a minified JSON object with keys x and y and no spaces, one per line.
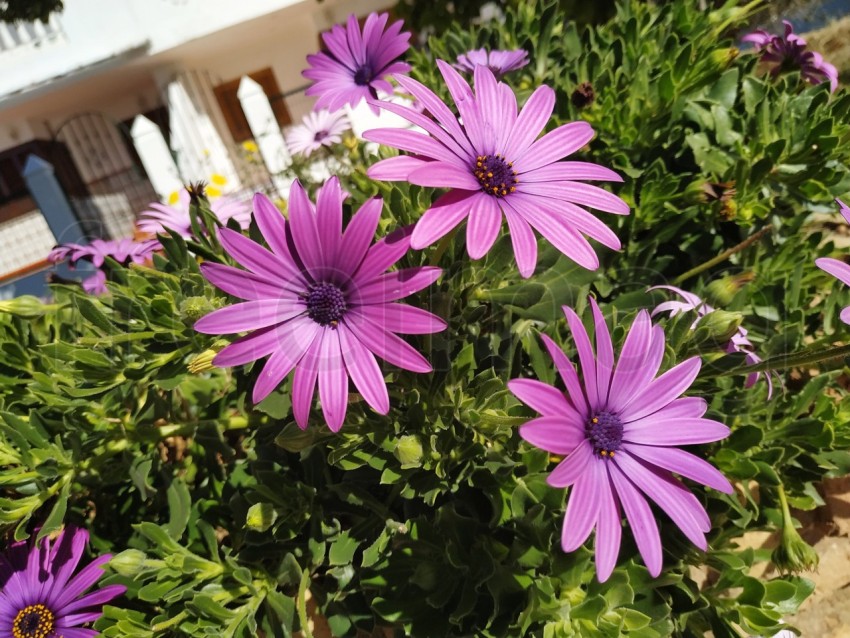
{"x":71,"y":92}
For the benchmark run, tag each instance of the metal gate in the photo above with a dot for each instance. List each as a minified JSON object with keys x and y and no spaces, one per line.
{"x":118,"y":188}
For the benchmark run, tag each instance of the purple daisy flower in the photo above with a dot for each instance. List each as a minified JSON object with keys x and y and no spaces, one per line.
{"x":499,"y":62}
{"x":494,"y":164}
{"x":317,"y":129}
{"x":789,"y":51}
{"x":837,"y":268}
{"x":738,"y":343}
{"x":320,"y":302}
{"x":40,"y":597}
{"x":355,"y":64}
{"x":618,"y":430}
{"x":161,"y":216}
{"x":124,"y":251}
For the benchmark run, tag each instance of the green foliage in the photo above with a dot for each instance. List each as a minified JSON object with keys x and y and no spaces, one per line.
{"x":436,"y":520}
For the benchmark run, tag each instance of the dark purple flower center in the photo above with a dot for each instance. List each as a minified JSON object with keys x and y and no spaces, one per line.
{"x":325,"y":304}
{"x":605,"y":433}
{"x":363,"y":75}
{"x":320,"y":135}
{"x":33,"y":621}
{"x":495,"y":174}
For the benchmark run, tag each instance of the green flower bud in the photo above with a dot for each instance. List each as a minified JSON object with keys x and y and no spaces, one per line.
{"x":721,"y":325}
{"x":128,"y":562}
{"x":722,"y":291}
{"x":409,"y":451}
{"x":193,"y":308}
{"x":25,"y":306}
{"x":204,"y":361}
{"x":722,"y":58}
{"x":793,"y":553}
{"x":261,"y":516}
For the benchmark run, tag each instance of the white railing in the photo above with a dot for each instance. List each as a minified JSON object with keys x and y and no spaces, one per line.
{"x":24,"y":36}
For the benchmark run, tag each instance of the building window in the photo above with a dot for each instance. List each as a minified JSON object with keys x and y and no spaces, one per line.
{"x":232,"y":109}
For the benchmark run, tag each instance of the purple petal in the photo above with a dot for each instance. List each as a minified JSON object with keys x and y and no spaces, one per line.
{"x":458,"y":145}
{"x":670,"y":497}
{"x":417,"y":143}
{"x":523,"y":240}
{"x":261,"y":261}
{"x":94,"y":599}
{"x":553,"y":146}
{"x":485,"y":220}
{"x":305,"y":235}
{"x":555,"y":434}
{"x":304,"y":381}
{"x":272,"y":225}
{"x":641,"y":520}
{"x":682,"y":463}
{"x":440,"y":174}
{"x":575,"y":393}
{"x":292,"y":344}
{"x":329,"y":218}
{"x":66,"y":600}
{"x":394,"y":169}
{"x":653,"y":431}
{"x":585,"y":356}
{"x":249,"y":315}
{"x":582,"y":506}
{"x":836,"y":268}
{"x":436,"y":107}
{"x":559,"y":234}
{"x":382,"y":255}
{"x":577,"y":192}
{"x":530,"y":121}
{"x":609,"y":527}
{"x":364,"y":371}
{"x":604,"y":351}
{"x":447,"y":212}
{"x":240,"y":283}
{"x":333,"y":381}
{"x":663,"y":390}
{"x":571,"y":172}
{"x":630,"y":375}
{"x":358,"y":235}
{"x":385,"y":344}
{"x":403,"y":319}
{"x":577,"y":465}
{"x":540,"y":397}
{"x":395,"y":285}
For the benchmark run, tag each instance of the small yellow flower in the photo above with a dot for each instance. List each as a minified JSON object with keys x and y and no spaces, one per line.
{"x":212,"y":191}
{"x":251,"y":146}
{"x":173,"y":198}
{"x":218,"y":179}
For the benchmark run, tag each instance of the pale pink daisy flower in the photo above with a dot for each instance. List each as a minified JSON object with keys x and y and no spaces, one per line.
{"x":499,"y":62}
{"x":159,"y":216}
{"x":317,"y":129}
{"x":838,"y":269}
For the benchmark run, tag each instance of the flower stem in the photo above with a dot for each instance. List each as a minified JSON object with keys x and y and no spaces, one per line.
{"x":302,"y":604}
{"x":722,"y":256}
{"x":796,"y":359}
{"x":442,"y":247}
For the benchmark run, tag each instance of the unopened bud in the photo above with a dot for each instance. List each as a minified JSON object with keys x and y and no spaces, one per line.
{"x":204,"y":361}
{"x":193,"y":308}
{"x":409,"y":451}
{"x":722,"y":58}
{"x":721,"y":291}
{"x":25,"y":306}
{"x":128,"y":562}
{"x":793,"y":554}
{"x":721,"y":325}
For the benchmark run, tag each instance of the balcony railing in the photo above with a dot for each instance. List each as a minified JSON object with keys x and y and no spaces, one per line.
{"x":29,"y":35}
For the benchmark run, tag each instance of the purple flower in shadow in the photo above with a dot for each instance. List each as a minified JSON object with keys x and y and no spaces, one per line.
{"x":838,"y":269}
{"x":499,"y":62}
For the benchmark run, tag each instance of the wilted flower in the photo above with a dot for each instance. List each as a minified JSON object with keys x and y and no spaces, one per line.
{"x":161,"y":216}
{"x":788,"y":51}
{"x":494,"y":165}
{"x":583,"y":95}
{"x":836,"y":268}
{"x":618,"y":429}
{"x":355,"y":64}
{"x":320,"y":302}
{"x":739,"y":341}
{"x":499,"y":62}
{"x":317,"y":129}
{"x":793,"y":554}
{"x":41,"y":597}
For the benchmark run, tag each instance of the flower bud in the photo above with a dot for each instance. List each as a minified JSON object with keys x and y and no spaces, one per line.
{"x":722,"y":58}
{"x":409,"y":451}
{"x":721,"y":291}
{"x":721,"y":325}
{"x":128,"y":562}
{"x":193,"y":308}
{"x":25,"y":306}
{"x":204,"y":361}
{"x":793,"y":554}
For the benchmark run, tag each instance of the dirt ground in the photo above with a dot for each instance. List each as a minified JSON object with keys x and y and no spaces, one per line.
{"x":826,"y":614}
